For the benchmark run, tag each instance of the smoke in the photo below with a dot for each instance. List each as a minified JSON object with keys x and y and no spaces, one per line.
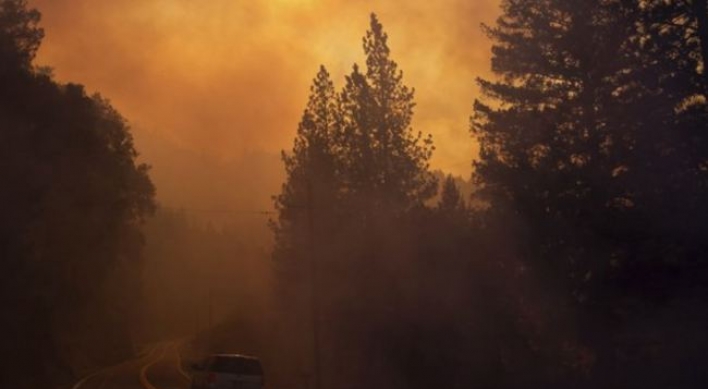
{"x":215,"y":89}
{"x":227,"y":78}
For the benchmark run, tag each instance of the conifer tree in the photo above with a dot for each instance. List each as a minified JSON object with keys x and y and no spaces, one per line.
{"x":385,"y":163}
{"x":557,"y":137}
{"x":595,"y":144}
{"x":311,"y":186}
{"x":451,"y":200}
{"x":671,"y":109}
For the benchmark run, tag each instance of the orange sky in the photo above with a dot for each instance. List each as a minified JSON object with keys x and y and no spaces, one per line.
{"x":229,"y":78}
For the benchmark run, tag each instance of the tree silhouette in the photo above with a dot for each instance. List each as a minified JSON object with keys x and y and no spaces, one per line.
{"x":72,"y":208}
{"x":307,"y":209}
{"x":385,"y":164}
{"x":450,"y":198}
{"x":594,"y":145}
{"x":355,"y":172}
{"x":311,"y":170}
{"x":21,"y":35}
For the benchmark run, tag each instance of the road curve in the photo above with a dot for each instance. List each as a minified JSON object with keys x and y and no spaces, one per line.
{"x":159,"y":369}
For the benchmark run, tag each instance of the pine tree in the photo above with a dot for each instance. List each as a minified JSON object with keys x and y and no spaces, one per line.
{"x":451,"y":200}
{"x":385,"y":163}
{"x":551,"y":146}
{"x":595,"y":142}
{"x":671,"y":106}
{"x":308,"y":212}
{"x":684,"y":22}
{"x":311,"y":171}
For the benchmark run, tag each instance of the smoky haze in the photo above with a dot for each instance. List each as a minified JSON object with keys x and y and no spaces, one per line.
{"x":226,"y":78}
{"x":431,"y":223}
{"x":214,"y":91}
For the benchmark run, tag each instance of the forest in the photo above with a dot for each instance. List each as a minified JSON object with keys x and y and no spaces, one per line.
{"x":574,"y":256}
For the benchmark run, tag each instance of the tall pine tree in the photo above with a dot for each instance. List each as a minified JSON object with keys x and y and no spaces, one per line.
{"x":311,"y":186}
{"x":594,"y":142}
{"x":551,"y":145}
{"x":355,"y":169}
{"x":385,"y":163}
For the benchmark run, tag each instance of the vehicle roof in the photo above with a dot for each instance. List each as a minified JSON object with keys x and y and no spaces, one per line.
{"x":227,"y":355}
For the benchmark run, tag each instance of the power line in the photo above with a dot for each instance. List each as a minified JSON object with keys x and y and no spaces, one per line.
{"x":219,"y":211}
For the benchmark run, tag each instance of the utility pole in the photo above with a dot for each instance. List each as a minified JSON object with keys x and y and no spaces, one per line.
{"x":197,"y":306}
{"x":315,"y":290}
{"x":209,"y":325}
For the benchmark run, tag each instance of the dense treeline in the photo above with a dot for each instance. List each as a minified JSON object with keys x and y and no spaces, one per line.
{"x":578,"y":262}
{"x":581,"y":262}
{"x":71,"y":204}
{"x":357,"y":241}
{"x":598,"y":154}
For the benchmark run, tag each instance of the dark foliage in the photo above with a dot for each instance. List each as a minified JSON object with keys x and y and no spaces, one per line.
{"x":582,"y":260}
{"x":595,"y":148}
{"x":72,"y":201}
{"x":388,"y":285}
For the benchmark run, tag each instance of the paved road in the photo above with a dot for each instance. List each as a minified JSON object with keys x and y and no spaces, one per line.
{"x":158,"y":369}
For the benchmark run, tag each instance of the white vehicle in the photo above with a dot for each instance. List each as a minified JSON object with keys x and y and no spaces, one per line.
{"x":228,"y":371}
